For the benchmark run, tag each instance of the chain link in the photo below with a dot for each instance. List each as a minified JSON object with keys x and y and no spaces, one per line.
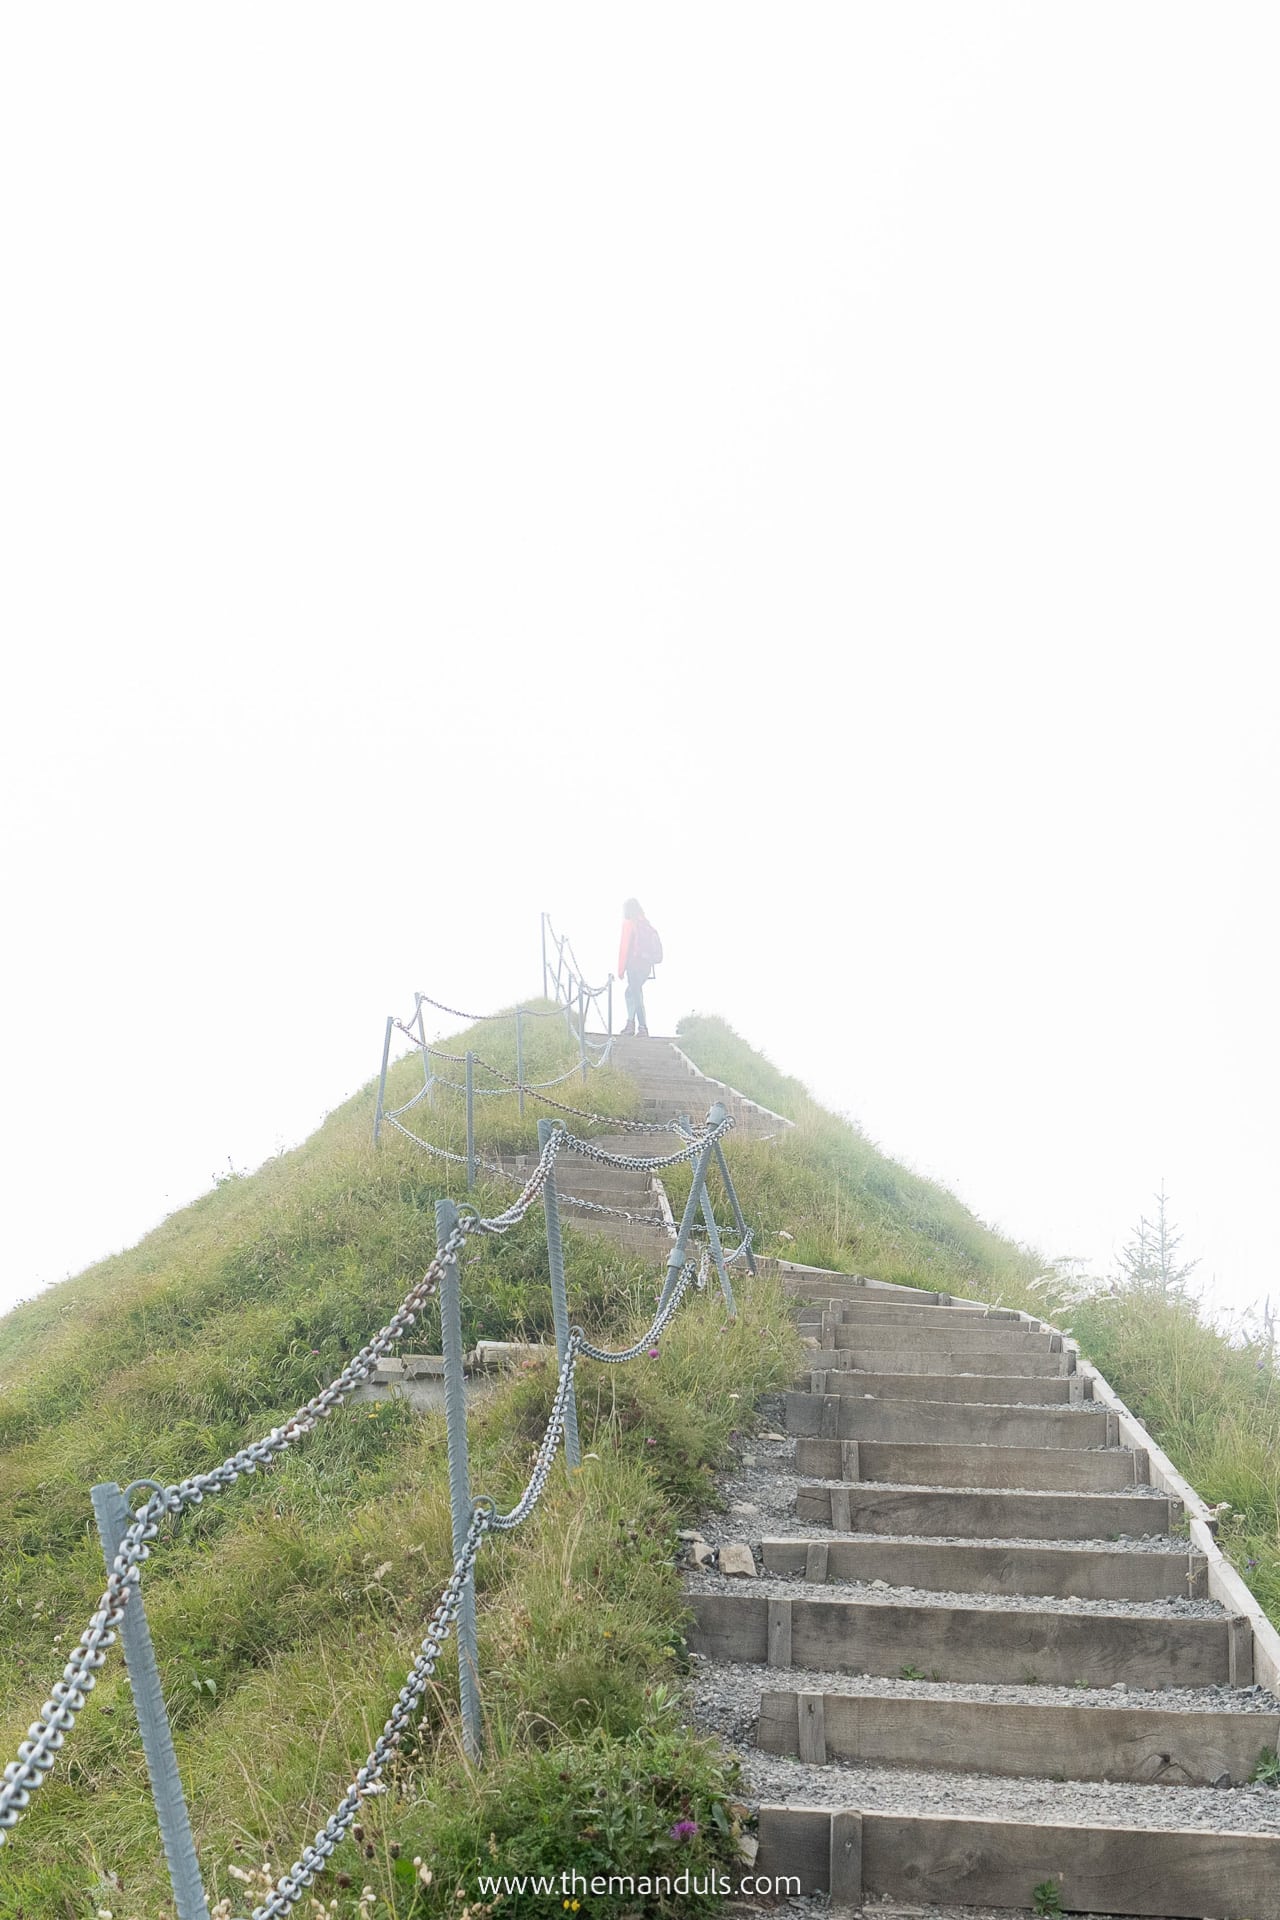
{"x":47,"y":1735}
{"x":68,"y":1696}
{"x":653,"y":1219}
{"x":476,"y":1019}
{"x":485,"y":1518}
{"x":313,"y":1859}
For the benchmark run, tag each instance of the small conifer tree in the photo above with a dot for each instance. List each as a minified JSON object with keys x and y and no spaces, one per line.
{"x":1150,"y":1260}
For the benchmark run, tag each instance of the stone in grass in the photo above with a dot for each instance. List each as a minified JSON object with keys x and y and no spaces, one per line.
{"x":704,"y":1555}
{"x":737,"y":1559}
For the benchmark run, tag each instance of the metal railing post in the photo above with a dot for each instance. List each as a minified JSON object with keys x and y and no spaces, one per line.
{"x":471,"y":1120}
{"x":382,"y":1079}
{"x":519,"y":1063}
{"x":610,"y":1020}
{"x":422,"y":1038}
{"x":732,"y":1193}
{"x":455,"y":1414}
{"x":675,"y":1259}
{"x":713,"y":1240}
{"x":545,"y":994}
{"x":112,"y":1515}
{"x":559,"y":1296}
{"x":582,"y":1030}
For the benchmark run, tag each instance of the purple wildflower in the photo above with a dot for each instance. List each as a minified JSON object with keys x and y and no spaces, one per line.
{"x":653,"y":1353}
{"x":684,"y":1830}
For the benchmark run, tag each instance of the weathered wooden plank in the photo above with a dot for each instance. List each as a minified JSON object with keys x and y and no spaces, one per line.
{"x":856,"y":1311}
{"x":817,"y":1284}
{"x":850,"y":1417}
{"x":1240,"y":1642}
{"x":920,"y":1464}
{"x":966,"y":1389}
{"x":981,"y":1513}
{"x":778,"y":1642}
{"x":845,"y":1872}
{"x":971,"y":1643}
{"x":1156,"y":1872}
{"x":881,"y":1359}
{"x":730,"y":1626}
{"x":946,"y":1567}
{"x":812,"y":1558}
{"x":1161,"y":1873}
{"x":995,"y":1336}
{"x":1146,"y":1744}
{"x":808,"y":1714}
{"x":796,"y":1841}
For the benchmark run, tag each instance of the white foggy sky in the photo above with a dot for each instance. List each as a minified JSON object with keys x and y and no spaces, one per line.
{"x":812,"y":467}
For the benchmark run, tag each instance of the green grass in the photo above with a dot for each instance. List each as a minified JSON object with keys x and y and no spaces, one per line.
{"x":286,"y":1612}
{"x":844,"y":1204}
{"x":1213,"y":1406}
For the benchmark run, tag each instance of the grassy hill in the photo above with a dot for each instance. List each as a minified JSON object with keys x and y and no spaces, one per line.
{"x":285,"y":1613}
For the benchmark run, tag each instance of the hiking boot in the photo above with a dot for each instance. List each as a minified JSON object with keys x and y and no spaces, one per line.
{"x":626,"y":1032}
{"x":642,"y":1033}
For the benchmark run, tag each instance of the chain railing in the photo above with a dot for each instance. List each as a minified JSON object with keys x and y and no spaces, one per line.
{"x":564,"y":982}
{"x":128,"y":1541}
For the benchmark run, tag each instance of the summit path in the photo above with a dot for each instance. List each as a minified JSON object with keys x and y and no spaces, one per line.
{"x":990,"y":1655}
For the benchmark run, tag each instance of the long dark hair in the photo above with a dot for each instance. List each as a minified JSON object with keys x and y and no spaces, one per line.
{"x":632,"y":910}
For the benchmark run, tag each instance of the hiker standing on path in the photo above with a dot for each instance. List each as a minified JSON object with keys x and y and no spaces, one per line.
{"x":639,"y":954}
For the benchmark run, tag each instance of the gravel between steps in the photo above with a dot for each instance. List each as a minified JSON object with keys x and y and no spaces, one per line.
{"x":777,"y":1585}
{"x":724,"y":1698}
{"x":727,"y":1694}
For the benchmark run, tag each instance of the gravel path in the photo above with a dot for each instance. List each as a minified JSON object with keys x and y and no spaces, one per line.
{"x":726,"y":1695}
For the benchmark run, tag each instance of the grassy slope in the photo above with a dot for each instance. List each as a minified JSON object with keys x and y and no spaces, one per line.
{"x":1214,"y":1408}
{"x":286,"y":1612}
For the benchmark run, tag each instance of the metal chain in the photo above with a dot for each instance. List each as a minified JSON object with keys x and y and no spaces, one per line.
{"x":636,"y":1163}
{"x":526,"y":1013}
{"x":614,"y":1213}
{"x":485,"y":1518}
{"x":67,"y":1697}
{"x":662,"y":1320}
{"x":290,"y":1887}
{"x":611,"y":1120}
{"x":419,"y":1096}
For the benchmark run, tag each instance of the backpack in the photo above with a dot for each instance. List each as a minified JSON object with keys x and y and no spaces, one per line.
{"x":648,"y":946}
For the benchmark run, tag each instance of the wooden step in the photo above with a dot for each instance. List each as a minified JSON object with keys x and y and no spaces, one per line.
{"x":856,"y":1312}
{"x":994,"y":1567}
{"x":817,"y":1285}
{"x":821,"y":1285}
{"x":1011,"y":1390}
{"x":909,"y":1463}
{"x":1027,"y":1647}
{"x":980,"y":1514}
{"x":1024,"y":1365}
{"x":1150,"y":1745}
{"x":1166,"y":1873}
{"x":949,"y":1337}
{"x":842,"y":1416}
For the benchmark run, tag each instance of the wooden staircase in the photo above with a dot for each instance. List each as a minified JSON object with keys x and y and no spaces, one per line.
{"x":961,"y":1480}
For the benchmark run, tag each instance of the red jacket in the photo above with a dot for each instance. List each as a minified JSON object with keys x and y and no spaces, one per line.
{"x":627,"y":951}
